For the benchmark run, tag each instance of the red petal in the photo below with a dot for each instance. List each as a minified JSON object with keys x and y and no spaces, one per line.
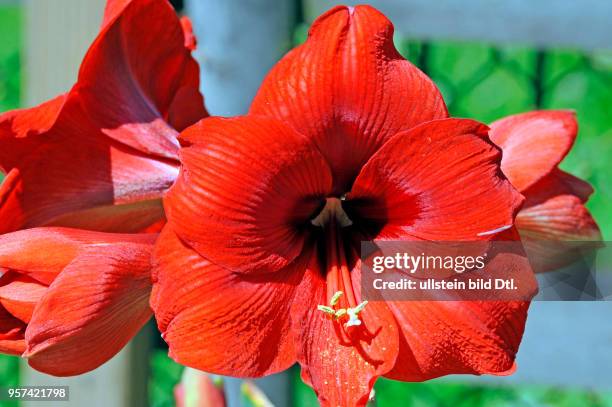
{"x":11,"y":334}
{"x":20,"y":294}
{"x":133,"y":73}
{"x":113,"y":9}
{"x":93,"y":308}
{"x":190,"y":40}
{"x":554,"y":212}
{"x":348,"y":89}
{"x":22,"y":130}
{"x":75,"y":168}
{"x":533,"y":144}
{"x":438,"y":181}
{"x":130,"y":88}
{"x":218,"y":321}
{"x":341,"y":374}
{"x":44,"y":252}
{"x":451,"y":337}
{"x":10,"y":207}
{"x":143,"y":216}
{"x":257,"y":182}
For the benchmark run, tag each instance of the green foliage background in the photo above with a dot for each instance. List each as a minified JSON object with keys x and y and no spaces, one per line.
{"x":478,"y":81}
{"x":10,"y":43}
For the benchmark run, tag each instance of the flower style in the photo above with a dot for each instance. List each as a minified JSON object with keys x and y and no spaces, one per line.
{"x":100,"y":156}
{"x":71,"y":299}
{"x":258,"y":266}
{"x":533,"y":145}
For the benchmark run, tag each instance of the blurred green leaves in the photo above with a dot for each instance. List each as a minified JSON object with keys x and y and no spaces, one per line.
{"x":443,"y":393}
{"x":10,"y":29}
{"x":9,"y":376}
{"x":389,"y":393}
{"x":10,"y":62}
{"x":165,"y":374}
{"x":487,"y":83}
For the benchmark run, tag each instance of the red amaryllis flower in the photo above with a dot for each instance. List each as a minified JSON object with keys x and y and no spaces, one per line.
{"x":71,"y":299}
{"x":100,"y":156}
{"x":533,"y":145}
{"x":346,"y":141}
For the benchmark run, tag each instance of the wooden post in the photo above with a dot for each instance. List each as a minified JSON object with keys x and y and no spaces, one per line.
{"x":238,"y":42}
{"x":544,"y":23}
{"x":121,"y":382}
{"x":57,"y":35}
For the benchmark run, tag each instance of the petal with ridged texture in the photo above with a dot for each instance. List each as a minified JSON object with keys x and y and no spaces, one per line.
{"x":341,"y":363}
{"x":555,"y":225}
{"x":128,"y":83}
{"x":74,"y":168}
{"x":218,"y":321}
{"x":348,"y":89}
{"x":93,"y":308}
{"x":247,"y":188}
{"x":453,"y":337}
{"x":533,"y":143}
{"x":439,"y":181}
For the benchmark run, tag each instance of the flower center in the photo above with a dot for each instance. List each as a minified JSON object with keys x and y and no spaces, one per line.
{"x":332,"y":211}
{"x":342,"y":306}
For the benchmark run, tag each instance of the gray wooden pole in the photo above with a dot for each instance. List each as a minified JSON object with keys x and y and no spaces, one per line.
{"x":57,"y":35}
{"x":120,"y":382}
{"x":238,"y":42}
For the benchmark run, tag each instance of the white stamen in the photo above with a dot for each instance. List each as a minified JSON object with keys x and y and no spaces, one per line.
{"x":494,"y":231}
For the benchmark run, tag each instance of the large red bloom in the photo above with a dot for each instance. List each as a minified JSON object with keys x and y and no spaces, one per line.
{"x":71,"y":299}
{"x":100,"y":156}
{"x":533,"y":145}
{"x":346,"y":141}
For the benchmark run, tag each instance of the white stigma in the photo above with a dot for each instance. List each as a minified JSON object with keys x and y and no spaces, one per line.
{"x":353,"y":314}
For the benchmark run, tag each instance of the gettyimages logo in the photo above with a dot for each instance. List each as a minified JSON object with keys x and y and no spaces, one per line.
{"x":485,"y":271}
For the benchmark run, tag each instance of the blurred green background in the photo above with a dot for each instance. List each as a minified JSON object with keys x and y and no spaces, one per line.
{"x":165,"y":374}
{"x":10,"y":23}
{"x":478,"y":81}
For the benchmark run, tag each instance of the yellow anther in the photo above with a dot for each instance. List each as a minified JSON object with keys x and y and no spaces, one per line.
{"x":326,"y":309}
{"x":336,"y":297}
